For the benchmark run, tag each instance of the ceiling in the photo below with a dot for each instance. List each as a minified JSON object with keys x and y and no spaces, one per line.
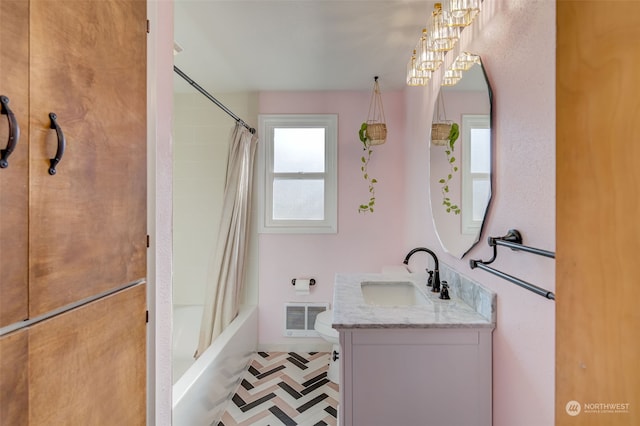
{"x":296,"y":45}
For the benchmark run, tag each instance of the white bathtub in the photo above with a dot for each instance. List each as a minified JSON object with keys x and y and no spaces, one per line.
{"x":201,"y":393}
{"x":186,"y":325}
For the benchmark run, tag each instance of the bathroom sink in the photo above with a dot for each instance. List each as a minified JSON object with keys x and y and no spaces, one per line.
{"x":392,"y":293}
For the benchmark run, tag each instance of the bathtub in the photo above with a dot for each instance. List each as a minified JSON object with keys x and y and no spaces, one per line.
{"x":186,"y":326}
{"x":203,"y":387}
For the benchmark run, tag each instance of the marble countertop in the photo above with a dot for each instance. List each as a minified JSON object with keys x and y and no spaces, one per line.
{"x":351,"y":311}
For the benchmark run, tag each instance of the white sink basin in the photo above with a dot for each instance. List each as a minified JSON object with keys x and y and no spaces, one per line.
{"x":392,"y":293}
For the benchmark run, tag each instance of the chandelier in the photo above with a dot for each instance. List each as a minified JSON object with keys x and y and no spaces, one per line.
{"x":440,"y":36}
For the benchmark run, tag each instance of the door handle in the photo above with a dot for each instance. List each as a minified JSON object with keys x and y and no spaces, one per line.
{"x":14,"y":133}
{"x":62,"y":143}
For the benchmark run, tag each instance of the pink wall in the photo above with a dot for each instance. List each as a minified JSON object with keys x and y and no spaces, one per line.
{"x":365,"y":241}
{"x":516,"y":39}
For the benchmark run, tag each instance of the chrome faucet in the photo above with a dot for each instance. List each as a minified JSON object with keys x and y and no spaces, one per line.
{"x":434,"y":276}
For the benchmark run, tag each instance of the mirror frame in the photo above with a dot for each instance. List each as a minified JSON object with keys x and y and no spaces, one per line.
{"x":435,"y":202}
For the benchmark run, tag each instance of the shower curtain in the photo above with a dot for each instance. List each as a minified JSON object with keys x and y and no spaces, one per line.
{"x":225,"y":278}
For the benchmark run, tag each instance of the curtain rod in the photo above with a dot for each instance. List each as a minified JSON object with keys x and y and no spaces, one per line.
{"x":212,"y":99}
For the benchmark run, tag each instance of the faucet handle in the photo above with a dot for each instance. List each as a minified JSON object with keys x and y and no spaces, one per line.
{"x":430,"y":280}
{"x":444,"y":294}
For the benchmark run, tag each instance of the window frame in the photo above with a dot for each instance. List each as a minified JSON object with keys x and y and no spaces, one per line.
{"x":469,"y":122}
{"x":267,"y":124}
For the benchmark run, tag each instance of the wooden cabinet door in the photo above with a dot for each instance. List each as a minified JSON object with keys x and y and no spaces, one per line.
{"x":14,"y":194}
{"x":14,"y":396}
{"x":87,"y":366}
{"x":598,"y":193}
{"x":87,"y":223}
{"x":80,"y":231}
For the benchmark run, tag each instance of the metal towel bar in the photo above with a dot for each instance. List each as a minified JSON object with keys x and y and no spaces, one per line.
{"x":513,"y":240}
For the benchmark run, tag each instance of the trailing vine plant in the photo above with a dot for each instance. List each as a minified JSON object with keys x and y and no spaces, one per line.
{"x":451,"y":160}
{"x":367,"y":207}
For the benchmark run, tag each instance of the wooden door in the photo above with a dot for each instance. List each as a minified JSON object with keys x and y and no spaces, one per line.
{"x":598,"y":219}
{"x":87,"y":366}
{"x":87,"y":223}
{"x":14,"y":194}
{"x":14,"y":395}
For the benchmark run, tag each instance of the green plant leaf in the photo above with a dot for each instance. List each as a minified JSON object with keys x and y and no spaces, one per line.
{"x":363,"y":168}
{"x":362,"y":133}
{"x":454,"y":134}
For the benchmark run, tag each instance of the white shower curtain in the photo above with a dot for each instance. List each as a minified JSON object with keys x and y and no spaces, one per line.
{"x":226,"y":272}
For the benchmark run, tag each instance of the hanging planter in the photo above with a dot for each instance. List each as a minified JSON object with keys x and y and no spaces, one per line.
{"x":376,"y":130}
{"x":372,"y":132}
{"x":441,"y":127}
{"x":377,"y":133}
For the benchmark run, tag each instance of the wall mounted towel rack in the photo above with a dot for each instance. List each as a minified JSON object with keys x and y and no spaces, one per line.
{"x":513,"y":240}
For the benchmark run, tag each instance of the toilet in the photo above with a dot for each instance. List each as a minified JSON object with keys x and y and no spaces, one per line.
{"x":323,"y":327}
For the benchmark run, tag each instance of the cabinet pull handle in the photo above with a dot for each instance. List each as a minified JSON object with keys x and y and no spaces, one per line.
{"x":62,"y":143}
{"x":14,"y":133}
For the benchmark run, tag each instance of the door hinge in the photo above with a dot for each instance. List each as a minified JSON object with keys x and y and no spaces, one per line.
{"x":148,"y":27}
{"x":147,"y":317}
{"x":148,"y":245}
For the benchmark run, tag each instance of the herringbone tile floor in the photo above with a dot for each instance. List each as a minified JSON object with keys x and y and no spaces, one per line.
{"x":283,"y":388}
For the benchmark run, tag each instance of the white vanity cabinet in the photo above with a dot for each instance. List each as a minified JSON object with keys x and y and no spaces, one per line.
{"x":419,"y":361}
{"x":415,"y":376}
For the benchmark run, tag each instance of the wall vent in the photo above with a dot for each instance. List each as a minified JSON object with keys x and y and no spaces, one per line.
{"x":300,"y":318}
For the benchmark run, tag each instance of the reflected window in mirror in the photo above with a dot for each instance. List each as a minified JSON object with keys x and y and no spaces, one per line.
{"x":476,"y":170}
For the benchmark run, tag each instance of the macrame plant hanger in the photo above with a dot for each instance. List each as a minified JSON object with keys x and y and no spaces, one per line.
{"x":376,"y":127}
{"x":441,"y":127}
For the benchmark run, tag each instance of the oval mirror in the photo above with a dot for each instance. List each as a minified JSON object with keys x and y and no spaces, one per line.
{"x":460,"y":173}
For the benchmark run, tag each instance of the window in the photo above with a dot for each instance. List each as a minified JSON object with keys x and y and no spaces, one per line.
{"x":476,"y":167}
{"x":298,"y":160}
